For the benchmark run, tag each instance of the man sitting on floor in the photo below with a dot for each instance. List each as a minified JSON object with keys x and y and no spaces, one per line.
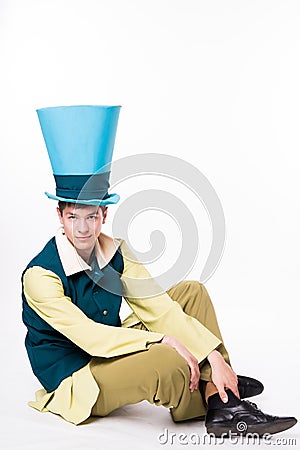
{"x":169,"y":351}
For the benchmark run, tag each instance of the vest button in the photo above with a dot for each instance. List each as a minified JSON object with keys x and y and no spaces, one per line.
{"x":105,"y":312}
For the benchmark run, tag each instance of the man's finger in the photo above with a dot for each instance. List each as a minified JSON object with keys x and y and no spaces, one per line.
{"x":236,"y":391}
{"x":195,"y":375}
{"x":234,"y":388}
{"x":223,"y":395}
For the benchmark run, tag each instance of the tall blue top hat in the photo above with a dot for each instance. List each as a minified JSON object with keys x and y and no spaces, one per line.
{"x":80,"y":142}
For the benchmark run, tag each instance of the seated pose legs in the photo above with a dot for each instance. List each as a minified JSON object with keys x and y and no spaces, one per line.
{"x":162,"y":377}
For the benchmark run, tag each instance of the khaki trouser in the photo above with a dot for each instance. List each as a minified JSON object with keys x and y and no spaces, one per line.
{"x":159,"y":375}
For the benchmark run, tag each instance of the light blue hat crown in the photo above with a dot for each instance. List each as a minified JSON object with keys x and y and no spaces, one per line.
{"x":80,"y":142}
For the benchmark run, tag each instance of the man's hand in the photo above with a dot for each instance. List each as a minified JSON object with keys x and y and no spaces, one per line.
{"x":222,"y":375}
{"x":187,"y":355}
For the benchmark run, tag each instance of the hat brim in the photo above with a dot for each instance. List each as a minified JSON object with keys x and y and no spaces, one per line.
{"x":111,"y":200}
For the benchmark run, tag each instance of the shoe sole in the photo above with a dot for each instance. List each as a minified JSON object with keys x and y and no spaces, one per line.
{"x":249,"y":387}
{"x":259,"y":429}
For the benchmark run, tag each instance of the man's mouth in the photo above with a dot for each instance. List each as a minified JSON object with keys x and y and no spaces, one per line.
{"x":83,"y":238}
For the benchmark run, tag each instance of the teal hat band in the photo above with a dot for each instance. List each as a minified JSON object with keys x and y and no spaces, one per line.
{"x":84,"y":187}
{"x":112,"y":199}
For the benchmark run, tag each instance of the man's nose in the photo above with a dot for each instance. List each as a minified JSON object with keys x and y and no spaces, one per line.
{"x":82,"y":226}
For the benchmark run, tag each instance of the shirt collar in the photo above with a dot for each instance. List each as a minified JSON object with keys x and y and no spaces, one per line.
{"x":105,"y":248}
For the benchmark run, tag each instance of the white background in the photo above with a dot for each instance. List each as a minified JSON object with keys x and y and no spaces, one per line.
{"x":213,"y":82}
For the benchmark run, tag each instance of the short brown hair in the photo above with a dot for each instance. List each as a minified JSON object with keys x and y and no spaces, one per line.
{"x":63,"y":205}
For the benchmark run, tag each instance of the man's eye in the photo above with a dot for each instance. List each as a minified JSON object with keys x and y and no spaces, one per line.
{"x":93,"y":217}
{"x":72,"y":217}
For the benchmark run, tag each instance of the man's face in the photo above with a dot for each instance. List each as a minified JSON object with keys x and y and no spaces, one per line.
{"x":82,"y":226}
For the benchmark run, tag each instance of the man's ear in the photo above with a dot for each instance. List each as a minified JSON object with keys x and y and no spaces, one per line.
{"x":59,"y":215}
{"x":104,"y":215}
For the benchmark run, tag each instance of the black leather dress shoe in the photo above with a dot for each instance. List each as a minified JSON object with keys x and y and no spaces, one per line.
{"x":243,"y":418}
{"x":248,"y":387}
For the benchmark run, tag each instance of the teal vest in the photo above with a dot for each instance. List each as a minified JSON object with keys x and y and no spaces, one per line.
{"x":53,"y":357}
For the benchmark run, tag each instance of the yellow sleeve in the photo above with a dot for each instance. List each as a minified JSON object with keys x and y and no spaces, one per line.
{"x":159,"y":312}
{"x":44,"y":293}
